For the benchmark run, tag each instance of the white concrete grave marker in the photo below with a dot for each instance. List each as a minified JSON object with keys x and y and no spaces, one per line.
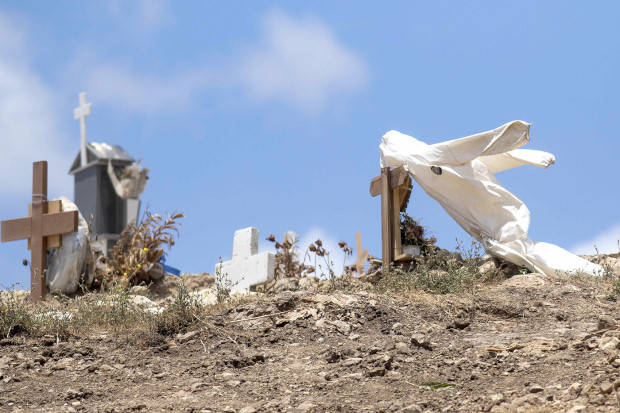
{"x":80,"y":113}
{"x":247,"y":267}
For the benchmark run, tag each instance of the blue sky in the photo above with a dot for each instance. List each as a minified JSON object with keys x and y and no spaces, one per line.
{"x":269,"y":114}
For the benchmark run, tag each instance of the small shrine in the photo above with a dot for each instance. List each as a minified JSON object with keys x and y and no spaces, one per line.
{"x":108,"y":184}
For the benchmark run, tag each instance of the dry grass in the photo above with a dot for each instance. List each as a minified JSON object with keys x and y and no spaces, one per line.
{"x":139,"y":248}
{"x":438,"y":272}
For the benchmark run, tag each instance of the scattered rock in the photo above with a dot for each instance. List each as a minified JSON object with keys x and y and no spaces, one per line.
{"x":605,"y":322}
{"x":575,"y":389}
{"x":139,"y":290}
{"x":459,"y":323}
{"x":608,"y":343}
{"x":352,"y":361}
{"x":420,"y":340}
{"x":532,"y":280}
{"x":305,"y":406}
{"x":376,"y":371}
{"x":412,"y":408}
{"x":606,"y":387}
{"x":198,"y":386}
{"x":342,"y":327}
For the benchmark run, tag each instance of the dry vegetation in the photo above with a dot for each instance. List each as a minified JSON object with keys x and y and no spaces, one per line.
{"x":459,"y":331}
{"x":134,"y":257}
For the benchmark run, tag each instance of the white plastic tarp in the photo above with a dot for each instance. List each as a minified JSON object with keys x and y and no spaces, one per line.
{"x":72,"y":263}
{"x":465,"y":187}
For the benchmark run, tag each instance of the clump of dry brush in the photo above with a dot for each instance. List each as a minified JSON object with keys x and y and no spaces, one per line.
{"x":288,"y":264}
{"x":134,"y":258}
{"x":412,"y":233}
{"x":287,"y":260}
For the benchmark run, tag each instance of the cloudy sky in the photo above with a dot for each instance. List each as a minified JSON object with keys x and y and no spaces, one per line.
{"x":269,"y":114}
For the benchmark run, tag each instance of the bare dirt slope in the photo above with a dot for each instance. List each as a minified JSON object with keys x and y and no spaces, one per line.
{"x":532,"y":343}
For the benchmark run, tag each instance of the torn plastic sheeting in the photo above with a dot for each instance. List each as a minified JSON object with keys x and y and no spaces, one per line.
{"x":132,"y":180}
{"x":73,"y":260}
{"x":468,"y":191}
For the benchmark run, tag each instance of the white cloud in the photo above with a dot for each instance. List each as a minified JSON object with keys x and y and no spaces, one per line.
{"x":298,"y":62}
{"x":606,"y":242}
{"x":145,"y":14}
{"x":118,"y":85}
{"x":28,"y":128}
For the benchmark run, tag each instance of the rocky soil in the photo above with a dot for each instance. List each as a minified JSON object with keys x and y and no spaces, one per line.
{"x":530,"y":344}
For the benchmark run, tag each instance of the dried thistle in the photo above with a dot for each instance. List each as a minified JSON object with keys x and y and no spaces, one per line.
{"x":287,"y":262}
{"x":142,"y":245}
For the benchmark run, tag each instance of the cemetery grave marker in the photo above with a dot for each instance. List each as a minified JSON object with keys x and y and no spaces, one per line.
{"x":45,"y":223}
{"x":394,"y":186}
{"x":80,"y":113}
{"x":247,"y":267}
{"x":361,"y":255}
{"x":94,"y":192}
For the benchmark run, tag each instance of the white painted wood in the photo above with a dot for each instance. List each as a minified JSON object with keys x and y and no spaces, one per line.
{"x":80,"y":113}
{"x":247,"y":267}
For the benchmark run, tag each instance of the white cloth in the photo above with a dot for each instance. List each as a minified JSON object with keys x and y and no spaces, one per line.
{"x":468,"y":191}
{"x":73,"y":263}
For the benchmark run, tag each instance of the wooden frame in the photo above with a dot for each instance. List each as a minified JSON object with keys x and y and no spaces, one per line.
{"x":394,"y":186}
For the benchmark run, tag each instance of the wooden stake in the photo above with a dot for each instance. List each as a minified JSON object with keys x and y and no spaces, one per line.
{"x":38,"y":241}
{"x":387,"y":206}
{"x":394,"y":187}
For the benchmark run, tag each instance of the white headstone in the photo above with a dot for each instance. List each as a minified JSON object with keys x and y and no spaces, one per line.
{"x":247,"y":267}
{"x":80,"y":113}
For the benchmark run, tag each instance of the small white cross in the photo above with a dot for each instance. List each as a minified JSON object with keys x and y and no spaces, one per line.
{"x":247,"y":267}
{"x":80,"y":113}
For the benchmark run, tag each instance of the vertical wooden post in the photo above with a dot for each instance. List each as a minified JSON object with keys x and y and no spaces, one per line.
{"x":387,"y":207}
{"x":397,"y":248}
{"x":38,"y":241}
{"x":394,"y":186}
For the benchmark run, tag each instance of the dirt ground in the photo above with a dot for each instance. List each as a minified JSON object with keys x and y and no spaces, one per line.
{"x":530,"y":344}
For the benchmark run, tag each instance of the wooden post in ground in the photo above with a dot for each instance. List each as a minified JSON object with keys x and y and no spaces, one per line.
{"x":387,"y":229}
{"x":38,"y":227}
{"x":394,"y":186}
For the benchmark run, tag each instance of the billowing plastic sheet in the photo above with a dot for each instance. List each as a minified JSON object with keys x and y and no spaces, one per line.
{"x":73,"y":263}
{"x":459,"y":175}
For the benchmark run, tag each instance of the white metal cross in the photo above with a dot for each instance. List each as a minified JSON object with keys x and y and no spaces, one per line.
{"x":80,"y":113}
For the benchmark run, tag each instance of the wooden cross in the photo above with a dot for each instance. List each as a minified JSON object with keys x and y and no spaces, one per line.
{"x":80,"y":113}
{"x":361,"y":255}
{"x":42,"y":224}
{"x":394,"y":186}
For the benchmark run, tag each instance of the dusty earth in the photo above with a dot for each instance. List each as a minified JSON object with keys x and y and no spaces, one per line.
{"x":531,"y":343}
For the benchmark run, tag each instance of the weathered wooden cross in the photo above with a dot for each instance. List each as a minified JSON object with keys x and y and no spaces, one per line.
{"x":42,"y":228}
{"x":394,"y":186}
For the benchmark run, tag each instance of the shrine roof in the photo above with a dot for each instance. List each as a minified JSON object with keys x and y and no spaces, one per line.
{"x":100,"y":153}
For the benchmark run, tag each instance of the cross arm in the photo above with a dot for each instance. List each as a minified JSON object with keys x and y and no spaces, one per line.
{"x":398,"y":177}
{"x":16,"y":229}
{"x":60,"y":223}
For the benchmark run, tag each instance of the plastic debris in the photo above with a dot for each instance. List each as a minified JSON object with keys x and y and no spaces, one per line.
{"x":459,"y":175}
